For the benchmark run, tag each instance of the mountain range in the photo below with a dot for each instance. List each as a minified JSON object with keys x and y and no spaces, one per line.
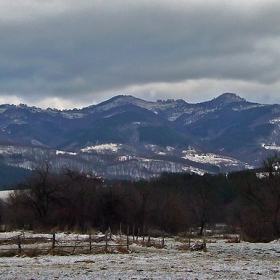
{"x":127,"y":137}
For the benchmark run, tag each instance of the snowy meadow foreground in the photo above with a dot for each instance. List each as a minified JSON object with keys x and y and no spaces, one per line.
{"x":222,"y":260}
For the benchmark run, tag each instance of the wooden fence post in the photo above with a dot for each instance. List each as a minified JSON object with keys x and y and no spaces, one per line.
{"x":143,"y":234}
{"x":53,"y":240}
{"x":19,"y":245}
{"x":106,"y":242}
{"x":162,"y":241}
{"x":190,"y":239}
{"x":133,"y":233}
{"x":127,"y":239}
{"x":90,"y":241}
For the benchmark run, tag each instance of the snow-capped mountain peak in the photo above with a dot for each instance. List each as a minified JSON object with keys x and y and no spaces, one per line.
{"x":227,"y":98}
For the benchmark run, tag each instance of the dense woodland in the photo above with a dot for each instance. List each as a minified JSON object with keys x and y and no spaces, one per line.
{"x":71,"y":200}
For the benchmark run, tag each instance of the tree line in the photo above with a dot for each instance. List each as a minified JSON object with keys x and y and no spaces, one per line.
{"x":174,"y":202}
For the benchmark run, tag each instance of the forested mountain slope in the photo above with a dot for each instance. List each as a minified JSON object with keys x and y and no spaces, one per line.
{"x":132,"y":138}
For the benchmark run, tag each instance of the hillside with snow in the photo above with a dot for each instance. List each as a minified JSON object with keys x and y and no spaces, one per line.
{"x":127,"y":137}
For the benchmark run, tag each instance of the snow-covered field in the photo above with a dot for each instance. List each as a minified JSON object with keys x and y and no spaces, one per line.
{"x":102,"y":148}
{"x":208,"y":158}
{"x":4,"y":194}
{"x":221,"y":261}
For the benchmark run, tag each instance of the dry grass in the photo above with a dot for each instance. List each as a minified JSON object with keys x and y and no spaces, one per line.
{"x":122,"y":250}
{"x":183,"y":247}
{"x":8,"y":253}
{"x":233,"y":240}
{"x":181,"y":239}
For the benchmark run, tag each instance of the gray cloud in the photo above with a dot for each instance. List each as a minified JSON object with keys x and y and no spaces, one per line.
{"x":90,"y":51}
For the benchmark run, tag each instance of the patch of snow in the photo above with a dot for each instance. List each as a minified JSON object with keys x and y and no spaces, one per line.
{"x":19,"y":121}
{"x":159,"y":150}
{"x":102,"y":148}
{"x":198,"y":113}
{"x":195,"y":170}
{"x":25,"y":164}
{"x":148,"y":160}
{"x":271,"y":146}
{"x":71,"y":115}
{"x":208,"y":158}
{"x":151,"y":147}
{"x":125,"y":158}
{"x":174,"y":117}
{"x":247,"y":107}
{"x":65,"y":153}
{"x":36,"y":143}
{"x":5,"y":194}
{"x":170,"y":149}
{"x":35,"y":110}
{"x":275,"y":121}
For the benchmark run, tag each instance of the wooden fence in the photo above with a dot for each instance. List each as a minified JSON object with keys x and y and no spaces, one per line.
{"x":71,"y":244}
{"x":59,"y":243}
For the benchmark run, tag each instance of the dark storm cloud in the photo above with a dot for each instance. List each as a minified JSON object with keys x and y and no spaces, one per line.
{"x":83,"y":50}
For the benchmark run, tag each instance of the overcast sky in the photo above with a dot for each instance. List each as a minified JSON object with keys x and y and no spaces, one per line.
{"x":74,"y":53}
